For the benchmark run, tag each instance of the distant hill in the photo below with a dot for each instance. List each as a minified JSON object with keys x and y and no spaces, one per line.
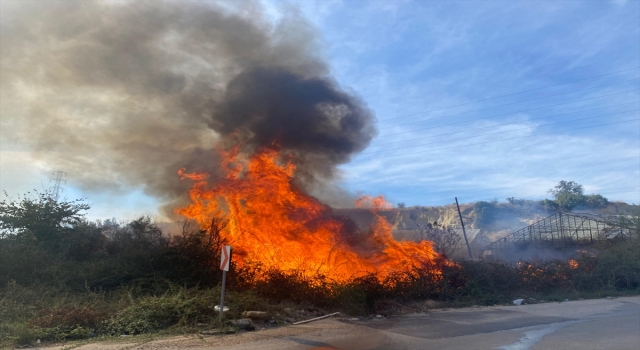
{"x":499,"y":219}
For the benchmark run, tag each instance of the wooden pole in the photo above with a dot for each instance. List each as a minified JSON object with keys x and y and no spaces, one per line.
{"x":464,"y":232}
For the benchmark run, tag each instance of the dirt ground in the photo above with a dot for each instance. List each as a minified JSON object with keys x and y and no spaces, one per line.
{"x":233,"y":341}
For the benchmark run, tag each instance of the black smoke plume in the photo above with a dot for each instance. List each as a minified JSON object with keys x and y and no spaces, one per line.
{"x":121,"y":95}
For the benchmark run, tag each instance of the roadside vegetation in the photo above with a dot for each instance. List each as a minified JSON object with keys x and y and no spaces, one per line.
{"x":63,"y":277}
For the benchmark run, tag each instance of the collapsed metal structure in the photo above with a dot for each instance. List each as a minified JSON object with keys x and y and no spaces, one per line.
{"x":561,"y":230}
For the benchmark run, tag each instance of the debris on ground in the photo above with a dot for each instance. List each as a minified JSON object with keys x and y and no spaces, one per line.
{"x":304,"y":313}
{"x":245,"y":324}
{"x":217,"y":308}
{"x":317,"y":318}
{"x":518,"y":302}
{"x":255,"y":315}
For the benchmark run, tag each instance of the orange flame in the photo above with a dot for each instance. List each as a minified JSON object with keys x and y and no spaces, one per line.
{"x":273,"y":223}
{"x":573,"y":264}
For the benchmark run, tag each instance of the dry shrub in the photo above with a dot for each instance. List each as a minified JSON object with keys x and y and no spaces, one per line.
{"x":67,"y":316}
{"x":277,"y":285}
{"x":387,"y":307}
{"x":546,"y":276}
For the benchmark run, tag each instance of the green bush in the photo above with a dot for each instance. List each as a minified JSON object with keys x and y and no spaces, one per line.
{"x":595,"y":201}
{"x":487,"y":282}
{"x":484,"y":213}
{"x":568,"y":201}
{"x":178,"y":307}
{"x":549,"y":205}
{"x":619,"y":267}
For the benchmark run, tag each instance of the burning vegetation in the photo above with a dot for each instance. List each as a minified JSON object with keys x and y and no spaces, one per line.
{"x":272,"y":223}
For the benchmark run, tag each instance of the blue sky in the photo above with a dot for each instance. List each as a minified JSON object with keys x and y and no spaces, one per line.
{"x":406,"y":58}
{"x":421,"y":67}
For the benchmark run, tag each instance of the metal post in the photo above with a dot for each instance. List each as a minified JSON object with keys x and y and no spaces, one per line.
{"x":225,"y":263}
{"x":553,"y":242}
{"x":544,"y":222}
{"x":463,"y":230}
{"x":224,"y":284}
{"x":559,"y":223}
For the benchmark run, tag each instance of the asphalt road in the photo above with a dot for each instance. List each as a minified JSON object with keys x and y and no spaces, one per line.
{"x":583,"y":324}
{"x":592,"y":324}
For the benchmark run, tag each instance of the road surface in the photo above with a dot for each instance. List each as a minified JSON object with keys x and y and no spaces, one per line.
{"x":582,"y":324}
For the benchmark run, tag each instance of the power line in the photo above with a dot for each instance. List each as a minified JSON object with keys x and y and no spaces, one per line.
{"x":514,"y":123}
{"x":493,"y":133}
{"x":511,"y":94}
{"x":509,"y":104}
{"x":513,"y":138}
{"x":500,"y":115}
{"x":619,"y":188}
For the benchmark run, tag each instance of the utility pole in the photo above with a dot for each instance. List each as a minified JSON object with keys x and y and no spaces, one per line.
{"x":463,"y":230}
{"x":59,"y":179}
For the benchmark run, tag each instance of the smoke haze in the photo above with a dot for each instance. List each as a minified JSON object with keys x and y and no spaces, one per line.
{"x":121,"y":95}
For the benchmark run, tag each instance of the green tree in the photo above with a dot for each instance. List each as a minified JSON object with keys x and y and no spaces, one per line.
{"x":570,"y":194}
{"x":567,"y":187}
{"x":38,"y":217}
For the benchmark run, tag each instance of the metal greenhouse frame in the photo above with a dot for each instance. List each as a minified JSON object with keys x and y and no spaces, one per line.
{"x":561,"y":230}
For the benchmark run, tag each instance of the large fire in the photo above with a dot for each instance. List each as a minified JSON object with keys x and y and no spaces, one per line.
{"x":273,"y":223}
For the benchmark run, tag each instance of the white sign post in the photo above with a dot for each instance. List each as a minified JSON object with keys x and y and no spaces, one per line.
{"x":225,"y":261}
